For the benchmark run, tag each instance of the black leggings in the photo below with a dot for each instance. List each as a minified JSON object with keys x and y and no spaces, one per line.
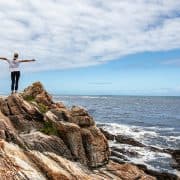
{"x":15,"y":75}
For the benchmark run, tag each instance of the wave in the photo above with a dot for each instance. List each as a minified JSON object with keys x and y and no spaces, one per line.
{"x":136,"y":132}
{"x":157,"y":161}
{"x":153,"y":136}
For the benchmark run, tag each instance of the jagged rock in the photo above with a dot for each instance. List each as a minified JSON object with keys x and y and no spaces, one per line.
{"x":44,"y":143}
{"x":71,"y":135}
{"x":24,"y":165}
{"x":96,"y":146}
{"x":176,"y":156}
{"x":39,"y":137}
{"x":108,"y":135}
{"x":83,"y":142}
{"x":158,"y":175}
{"x":62,"y":114}
{"x":37,"y":92}
{"x":128,"y":171}
{"x":4,"y":107}
{"x":15,"y":165}
{"x":23,"y":115}
{"x":8,"y":132}
{"x":81,"y":117}
{"x":78,"y":111}
{"x":128,"y":140}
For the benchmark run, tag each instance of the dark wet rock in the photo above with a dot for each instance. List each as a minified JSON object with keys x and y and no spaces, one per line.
{"x":157,"y":174}
{"x":117,"y":159}
{"x":118,"y":155}
{"x":126,"y":152}
{"x":108,"y":135}
{"x":123,"y":139}
{"x":176,"y":156}
{"x":128,"y":140}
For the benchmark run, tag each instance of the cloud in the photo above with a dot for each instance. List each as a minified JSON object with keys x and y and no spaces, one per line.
{"x":68,"y":34}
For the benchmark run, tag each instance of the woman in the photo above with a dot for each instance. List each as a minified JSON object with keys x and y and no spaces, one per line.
{"x":15,"y":71}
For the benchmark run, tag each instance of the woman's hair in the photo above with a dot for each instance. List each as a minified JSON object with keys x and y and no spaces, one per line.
{"x":16,"y":55}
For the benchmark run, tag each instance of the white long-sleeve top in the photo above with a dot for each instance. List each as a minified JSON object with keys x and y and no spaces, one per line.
{"x":13,"y":65}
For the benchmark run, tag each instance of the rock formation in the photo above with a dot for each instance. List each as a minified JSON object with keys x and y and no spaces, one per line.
{"x":42,"y":139}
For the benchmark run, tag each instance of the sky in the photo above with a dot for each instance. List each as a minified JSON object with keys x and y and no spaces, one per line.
{"x":85,"y":47}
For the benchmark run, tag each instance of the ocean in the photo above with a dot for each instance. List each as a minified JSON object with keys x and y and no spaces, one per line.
{"x":153,"y":121}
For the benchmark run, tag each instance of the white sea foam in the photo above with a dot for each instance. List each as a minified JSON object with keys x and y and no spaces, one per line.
{"x":141,"y":134}
{"x":147,"y":157}
{"x":133,"y":131}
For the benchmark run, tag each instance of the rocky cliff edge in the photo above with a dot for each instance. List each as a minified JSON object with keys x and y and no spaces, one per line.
{"x":42,"y":139}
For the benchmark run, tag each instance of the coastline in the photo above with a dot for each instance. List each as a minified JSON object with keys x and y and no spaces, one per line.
{"x":146,"y":155}
{"x":44,"y":139}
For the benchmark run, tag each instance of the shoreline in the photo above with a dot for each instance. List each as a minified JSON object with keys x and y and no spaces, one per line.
{"x":118,"y":154}
{"x":51,"y":132}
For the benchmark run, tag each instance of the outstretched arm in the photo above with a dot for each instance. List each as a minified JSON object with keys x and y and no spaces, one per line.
{"x":3,"y":58}
{"x":32,"y":60}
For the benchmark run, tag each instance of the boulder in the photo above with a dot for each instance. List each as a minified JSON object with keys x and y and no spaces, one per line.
{"x":81,"y":117}
{"x":62,"y":114}
{"x":37,"y":93}
{"x":176,"y":156}
{"x":8,"y":132}
{"x":96,"y":146}
{"x":83,"y":142}
{"x":44,"y":143}
{"x":71,"y":135}
{"x":108,"y":135}
{"x":23,"y":115}
{"x":4,"y":107}
{"x":128,"y":171}
{"x":128,"y":140}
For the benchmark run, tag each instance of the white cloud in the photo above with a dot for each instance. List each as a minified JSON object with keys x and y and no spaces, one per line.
{"x":67,"y":34}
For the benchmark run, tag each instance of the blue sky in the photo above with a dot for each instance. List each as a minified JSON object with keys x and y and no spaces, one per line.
{"x":94,"y":47}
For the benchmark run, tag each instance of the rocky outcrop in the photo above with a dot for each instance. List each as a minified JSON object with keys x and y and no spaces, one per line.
{"x":16,"y":163}
{"x":176,"y":156}
{"x":42,"y":139}
{"x":36,"y":92}
{"x":121,"y":155}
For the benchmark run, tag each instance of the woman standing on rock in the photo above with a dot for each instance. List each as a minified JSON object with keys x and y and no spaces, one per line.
{"x":15,"y":70}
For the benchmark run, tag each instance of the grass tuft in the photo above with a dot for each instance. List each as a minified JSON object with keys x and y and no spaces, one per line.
{"x":42,"y":108}
{"x":49,"y":129}
{"x":29,"y":98}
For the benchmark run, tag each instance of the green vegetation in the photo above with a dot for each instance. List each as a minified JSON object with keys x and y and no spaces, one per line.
{"x":49,"y":129}
{"x":42,"y":108}
{"x":29,"y":98}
